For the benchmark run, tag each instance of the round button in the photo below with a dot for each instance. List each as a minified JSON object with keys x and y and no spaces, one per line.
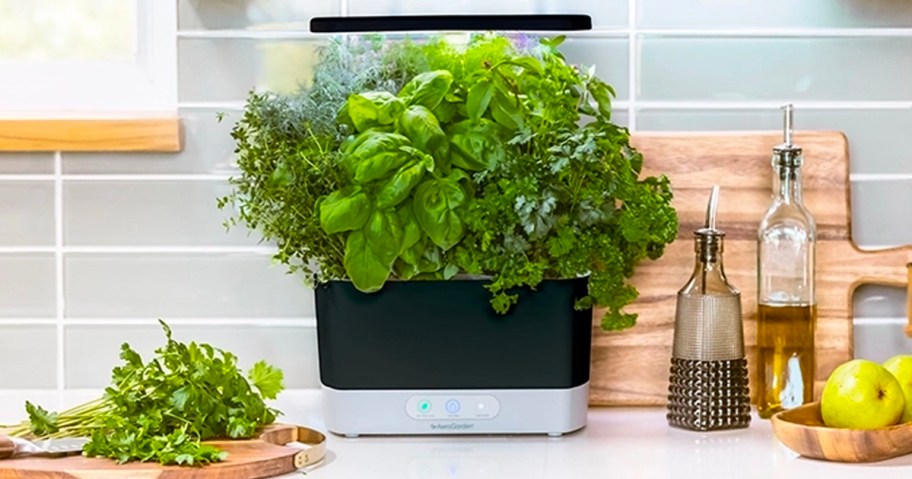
{"x":452,"y":406}
{"x":424,"y":406}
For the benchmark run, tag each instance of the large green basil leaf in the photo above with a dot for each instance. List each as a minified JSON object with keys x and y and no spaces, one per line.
{"x":435,"y":206}
{"x":379,"y":166}
{"x":422,"y":127}
{"x":350,"y":145}
{"x":378,"y":156}
{"x":530,"y":64}
{"x":431,"y":260}
{"x":397,"y":188}
{"x":367,"y":271}
{"x":344,"y":210}
{"x":445,"y":111}
{"x":422,"y":258}
{"x":476,"y":145}
{"x":384,"y":235}
{"x":505,"y":111}
{"x":479,"y":97}
{"x":427,"y":89}
{"x":373,"y":108}
{"x":405,"y":270}
{"x":412,"y":254}
{"x":449,"y":271}
{"x":411,"y":231}
{"x":426,"y":258}
{"x":602,"y":94}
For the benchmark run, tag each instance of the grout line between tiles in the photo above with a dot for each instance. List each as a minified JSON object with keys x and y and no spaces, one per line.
{"x":256,"y":250}
{"x":302,"y":322}
{"x":888,"y":321}
{"x":118,"y":177}
{"x":237,"y":105}
{"x":245,"y":250}
{"x":236,"y":34}
{"x":866,"y":177}
{"x":94,"y":392}
{"x":150,"y":177}
{"x":778,"y":32}
{"x":632,"y":62}
{"x":60,"y":306}
{"x":776,"y":104}
{"x":762,"y":32}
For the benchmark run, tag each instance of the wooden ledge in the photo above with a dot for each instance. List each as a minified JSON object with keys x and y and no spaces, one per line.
{"x":91,"y":134}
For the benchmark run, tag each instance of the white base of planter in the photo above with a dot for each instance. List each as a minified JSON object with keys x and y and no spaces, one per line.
{"x":465,"y":411}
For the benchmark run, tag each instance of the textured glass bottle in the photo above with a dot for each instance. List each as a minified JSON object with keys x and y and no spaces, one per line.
{"x":787,"y":306}
{"x":708,"y":383}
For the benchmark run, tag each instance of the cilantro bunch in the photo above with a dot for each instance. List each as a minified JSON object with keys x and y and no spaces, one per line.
{"x":163,"y":409}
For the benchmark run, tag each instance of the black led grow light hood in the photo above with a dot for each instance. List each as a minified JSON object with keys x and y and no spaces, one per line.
{"x":404,"y":23}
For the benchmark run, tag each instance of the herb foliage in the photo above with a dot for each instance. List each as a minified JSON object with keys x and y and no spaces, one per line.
{"x":497,"y":159}
{"x":162,"y":410}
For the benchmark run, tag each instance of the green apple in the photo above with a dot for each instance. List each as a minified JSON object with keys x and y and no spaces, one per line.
{"x":901,"y":367}
{"x":862,"y":394}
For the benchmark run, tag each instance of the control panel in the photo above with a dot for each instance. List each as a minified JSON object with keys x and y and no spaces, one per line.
{"x":452,"y":407}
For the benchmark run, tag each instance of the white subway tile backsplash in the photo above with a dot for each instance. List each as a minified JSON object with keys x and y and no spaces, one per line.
{"x":175,"y":285}
{"x":28,"y":354}
{"x":252,"y":14}
{"x":718,"y":14}
{"x":620,"y":117}
{"x":609,"y":55}
{"x":26,"y":163}
{"x":27,"y":286}
{"x":604,"y":13}
{"x":149,"y":213}
{"x":225,"y":69}
{"x":875,"y":301}
{"x":881,"y":216}
{"x":92,"y":350}
{"x":879,"y":141}
{"x":881,"y":340}
{"x":777,"y":69}
{"x":152,"y":245}
{"x":714,"y":120}
{"x":207,"y":148}
{"x":26,"y":213}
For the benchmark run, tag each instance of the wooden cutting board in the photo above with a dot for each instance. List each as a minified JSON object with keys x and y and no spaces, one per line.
{"x":267,"y":456}
{"x":631,"y":367}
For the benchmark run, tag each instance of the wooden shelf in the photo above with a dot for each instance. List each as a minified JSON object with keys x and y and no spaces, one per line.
{"x":94,"y":134}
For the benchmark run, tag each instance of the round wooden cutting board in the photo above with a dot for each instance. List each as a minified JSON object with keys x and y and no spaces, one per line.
{"x":266,"y":456}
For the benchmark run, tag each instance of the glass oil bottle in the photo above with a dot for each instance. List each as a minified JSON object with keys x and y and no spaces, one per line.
{"x":708,"y":384}
{"x":787,"y":307}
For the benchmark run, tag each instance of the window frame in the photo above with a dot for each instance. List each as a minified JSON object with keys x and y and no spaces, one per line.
{"x":77,"y":89}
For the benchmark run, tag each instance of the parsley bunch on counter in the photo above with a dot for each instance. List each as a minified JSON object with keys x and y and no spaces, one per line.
{"x":163,"y":409}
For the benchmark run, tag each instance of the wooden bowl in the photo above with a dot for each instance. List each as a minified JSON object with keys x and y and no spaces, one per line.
{"x":802,"y":430}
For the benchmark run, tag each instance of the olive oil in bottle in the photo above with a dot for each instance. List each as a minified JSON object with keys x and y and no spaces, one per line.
{"x":786,"y":245}
{"x":785,"y":349}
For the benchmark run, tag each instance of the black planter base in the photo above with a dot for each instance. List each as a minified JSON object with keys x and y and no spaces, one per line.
{"x":432,"y":357}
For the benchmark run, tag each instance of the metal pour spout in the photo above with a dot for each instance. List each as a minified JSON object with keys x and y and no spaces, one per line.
{"x":788,"y":128}
{"x":787,"y":153}
{"x":711,"y":208}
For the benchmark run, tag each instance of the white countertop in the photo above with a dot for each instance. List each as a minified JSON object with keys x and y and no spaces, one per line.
{"x":617,"y":443}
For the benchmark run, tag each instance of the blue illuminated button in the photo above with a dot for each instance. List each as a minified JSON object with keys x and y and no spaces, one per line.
{"x":424,"y":406}
{"x":452,"y":406}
